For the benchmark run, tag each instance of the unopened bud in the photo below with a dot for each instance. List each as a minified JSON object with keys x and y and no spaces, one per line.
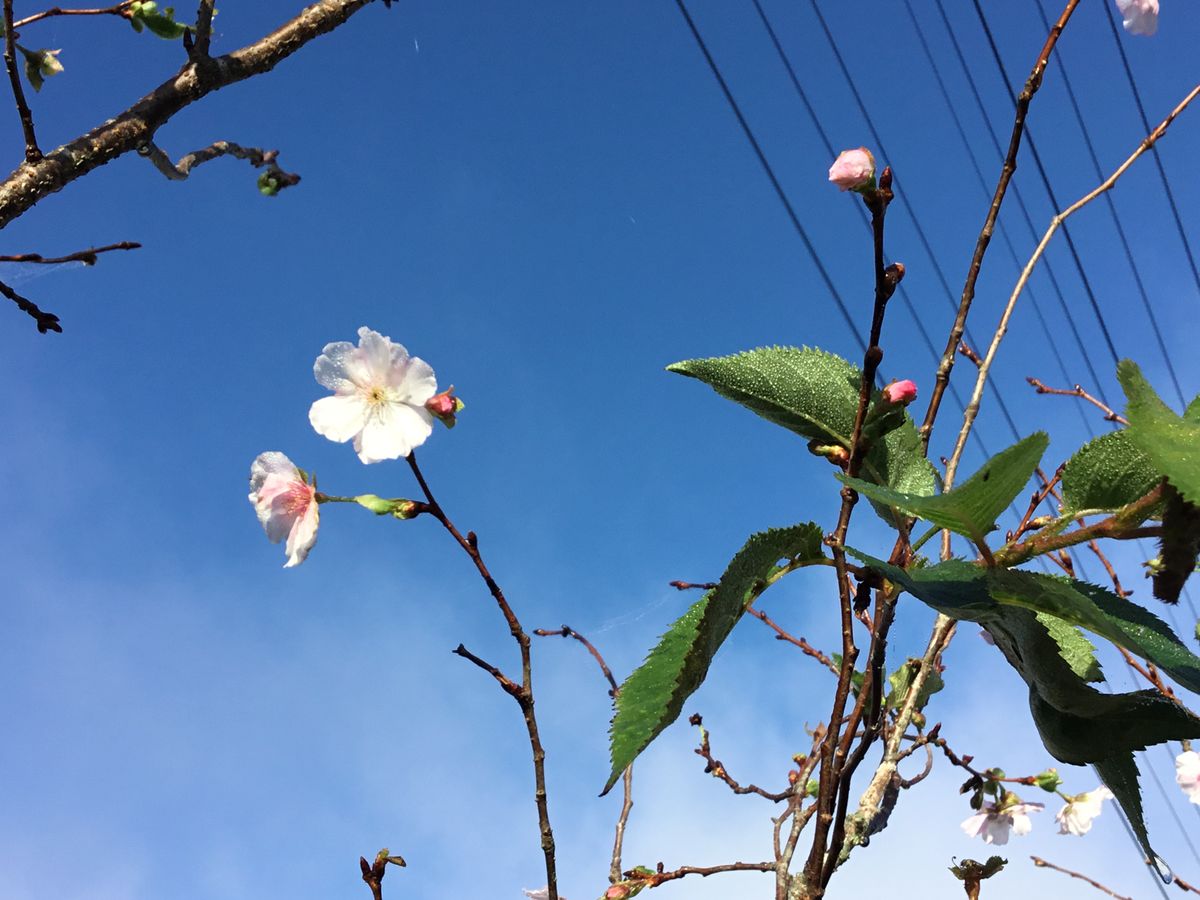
{"x":900,"y":392}
{"x":835,"y":453}
{"x":1048,"y":781}
{"x":853,"y":170}
{"x":445,"y":406}
{"x":617,"y":892}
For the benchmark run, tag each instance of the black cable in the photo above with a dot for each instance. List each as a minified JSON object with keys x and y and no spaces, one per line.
{"x":987,"y":192}
{"x":907,"y":203}
{"x":1066,"y":232}
{"x":1112,"y":207}
{"x":832,"y":154}
{"x":1162,"y":174}
{"x":762,"y":159}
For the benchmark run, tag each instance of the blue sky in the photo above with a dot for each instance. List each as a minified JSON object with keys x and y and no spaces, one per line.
{"x":548,"y":203}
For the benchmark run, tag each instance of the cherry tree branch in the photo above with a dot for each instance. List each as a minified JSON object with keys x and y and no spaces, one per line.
{"x":256,"y":157}
{"x":1110,"y":414}
{"x":46,"y":321}
{"x":119,"y":9}
{"x":137,"y":125}
{"x":87,"y":257}
{"x":203,"y":30}
{"x":1043,"y":864}
{"x":716,"y":768}
{"x":522,"y":692}
{"x":781,"y":635}
{"x":32,"y":153}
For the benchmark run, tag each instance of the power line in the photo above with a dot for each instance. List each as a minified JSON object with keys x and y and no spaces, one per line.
{"x":906,"y":202}
{"x":1112,"y":207}
{"x":1162,"y":174}
{"x":1037,"y":160}
{"x":766,"y":166}
{"x":983,"y":185}
{"x":832,"y":154}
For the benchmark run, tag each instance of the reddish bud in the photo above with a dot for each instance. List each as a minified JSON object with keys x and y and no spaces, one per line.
{"x":617,"y":892}
{"x":444,"y":406}
{"x":900,"y":392}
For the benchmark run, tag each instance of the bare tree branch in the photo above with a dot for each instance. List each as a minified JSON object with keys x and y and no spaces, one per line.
{"x":87,"y":257}
{"x":45,"y":321}
{"x":32,"y":153}
{"x":119,"y":9}
{"x":136,"y":126}
{"x":258,"y":158}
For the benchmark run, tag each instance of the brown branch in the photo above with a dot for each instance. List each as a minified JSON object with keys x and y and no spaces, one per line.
{"x":834,"y":749}
{"x":1121,"y":526}
{"x":614,"y":872}
{"x":568,"y":632}
{"x":1039,"y":496}
{"x":255,"y":156}
{"x":136,"y":126}
{"x":716,"y":768}
{"x":1183,"y":885}
{"x":1043,"y":864}
{"x":32,"y":153}
{"x":661,"y":876}
{"x":522,"y":693}
{"x":203,"y":30}
{"x":1110,"y":414}
{"x":87,"y":257}
{"x":691,"y":585}
{"x":119,"y":9}
{"x":966,"y":350}
{"x":781,"y":635}
{"x":1032,"y":84}
{"x":45,"y":321}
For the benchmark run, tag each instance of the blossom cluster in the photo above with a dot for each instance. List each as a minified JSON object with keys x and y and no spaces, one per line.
{"x":383,"y":402}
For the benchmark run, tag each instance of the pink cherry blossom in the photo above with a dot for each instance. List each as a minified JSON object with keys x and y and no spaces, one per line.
{"x":1076,"y":817}
{"x":1141,"y":16}
{"x":286,"y":504}
{"x":539,"y":894}
{"x":1187,"y":774}
{"x":379,"y":395}
{"x":994,"y":824}
{"x":853,"y":169}
{"x":900,"y":392}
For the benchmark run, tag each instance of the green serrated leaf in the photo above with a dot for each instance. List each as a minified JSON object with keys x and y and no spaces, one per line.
{"x":1073,"y":646}
{"x":971,"y":509}
{"x":1179,"y":546}
{"x":815,"y":394}
{"x":1107,"y":473}
{"x":653,"y":696}
{"x":1120,"y":775}
{"x":1170,"y":442}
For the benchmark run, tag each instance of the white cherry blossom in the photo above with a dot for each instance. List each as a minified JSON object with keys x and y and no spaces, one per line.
{"x":286,"y":504}
{"x":994,"y":824}
{"x":1141,"y":16}
{"x":1187,"y":774}
{"x":539,"y":894}
{"x":379,"y":395}
{"x":1076,"y":817}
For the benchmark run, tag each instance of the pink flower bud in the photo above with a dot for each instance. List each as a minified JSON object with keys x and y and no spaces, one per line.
{"x":900,"y":392}
{"x":617,"y":892}
{"x":853,"y":169}
{"x":444,"y":406}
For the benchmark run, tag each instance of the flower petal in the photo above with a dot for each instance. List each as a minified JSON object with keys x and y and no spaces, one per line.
{"x":339,"y":417}
{"x":302,"y":536}
{"x":270,"y":463}
{"x":392,"y":432}
{"x":379,"y":355}
{"x":416,"y":383}
{"x":340,"y":368}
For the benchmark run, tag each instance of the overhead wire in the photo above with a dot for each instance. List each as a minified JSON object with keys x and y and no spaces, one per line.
{"x":1158,"y":163}
{"x":1045,"y":178}
{"x":770,"y":173}
{"x":1112,"y":207}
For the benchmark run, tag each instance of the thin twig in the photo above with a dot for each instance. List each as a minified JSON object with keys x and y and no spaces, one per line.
{"x":119,"y":9}
{"x":87,"y":257}
{"x":1110,"y":414}
{"x":32,"y":153}
{"x":256,"y":157}
{"x":522,"y":693}
{"x":45,"y":321}
{"x":1043,"y":864}
{"x":781,"y":635}
{"x":972,"y":409}
{"x":1032,"y":84}
{"x":614,"y":870}
{"x":661,"y":876}
{"x":716,"y":768}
